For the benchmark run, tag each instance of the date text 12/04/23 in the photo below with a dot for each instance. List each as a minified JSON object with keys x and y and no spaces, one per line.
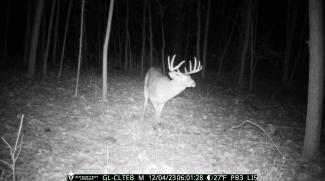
{"x":163,"y":177}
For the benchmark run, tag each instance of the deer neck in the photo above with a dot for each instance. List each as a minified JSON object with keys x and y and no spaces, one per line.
{"x":173,"y":90}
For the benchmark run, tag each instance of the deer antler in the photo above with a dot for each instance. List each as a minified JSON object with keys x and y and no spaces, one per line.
{"x":173,"y":68}
{"x":197,"y":67}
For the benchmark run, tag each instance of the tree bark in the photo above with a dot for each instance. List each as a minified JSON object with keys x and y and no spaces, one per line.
{"x":143,"y":37}
{"x":246,"y":43}
{"x":150,"y":34}
{"x":198,"y":33}
{"x":162,"y":36}
{"x":48,"y":40}
{"x":177,"y":34}
{"x":80,"y":45}
{"x":64,"y":39}
{"x":35,"y":36}
{"x":290,"y":32}
{"x":316,"y":79}
{"x":205,"y":44}
{"x":126,"y":36}
{"x":5,"y":35}
{"x":105,"y":48}
{"x":56,"y":32}
{"x":27,"y":31}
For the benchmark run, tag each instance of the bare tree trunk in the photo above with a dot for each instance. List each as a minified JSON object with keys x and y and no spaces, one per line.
{"x":221,"y":59}
{"x":5,"y":35}
{"x":150,"y":34}
{"x":205,"y":44}
{"x":162,"y":36}
{"x":316,"y":79}
{"x":56,"y":31}
{"x":245,"y":46}
{"x":99,"y":49}
{"x":119,"y":38}
{"x":105,"y":49}
{"x":120,"y":48}
{"x":126,"y":36}
{"x":143,"y":37}
{"x":130,"y":52}
{"x":27,"y":31}
{"x":253,"y":60}
{"x":34,"y":42}
{"x":64,"y":39}
{"x":126,"y":50}
{"x":47,"y":49}
{"x":300,"y":50}
{"x":80,"y":45}
{"x":222,"y":38}
{"x":187,"y":42}
{"x":198,"y":33}
{"x":42,"y":46}
{"x":290,"y":31}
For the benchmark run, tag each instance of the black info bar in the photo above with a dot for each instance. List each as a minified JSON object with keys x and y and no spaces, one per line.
{"x":162,"y":177}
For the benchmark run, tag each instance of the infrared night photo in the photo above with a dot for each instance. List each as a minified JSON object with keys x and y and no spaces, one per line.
{"x":162,"y":90}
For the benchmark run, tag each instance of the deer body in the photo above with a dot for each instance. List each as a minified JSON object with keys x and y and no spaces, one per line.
{"x":159,"y":88}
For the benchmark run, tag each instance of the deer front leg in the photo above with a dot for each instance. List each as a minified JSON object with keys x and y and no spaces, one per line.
{"x":144,"y":108}
{"x":158,"y":108}
{"x":146,"y":96}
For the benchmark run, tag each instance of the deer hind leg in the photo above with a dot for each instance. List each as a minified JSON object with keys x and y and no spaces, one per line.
{"x":146,"y":95}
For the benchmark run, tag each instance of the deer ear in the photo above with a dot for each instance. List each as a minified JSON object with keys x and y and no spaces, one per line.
{"x":172,"y":75}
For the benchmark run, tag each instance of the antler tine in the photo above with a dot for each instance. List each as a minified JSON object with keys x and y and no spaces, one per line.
{"x":190,"y":67}
{"x":196,"y":68}
{"x":171,"y":64}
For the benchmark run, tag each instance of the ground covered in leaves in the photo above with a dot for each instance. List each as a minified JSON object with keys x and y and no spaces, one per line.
{"x":84,"y":134}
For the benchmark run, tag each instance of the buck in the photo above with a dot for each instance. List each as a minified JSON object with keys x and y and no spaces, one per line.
{"x":159,"y":88}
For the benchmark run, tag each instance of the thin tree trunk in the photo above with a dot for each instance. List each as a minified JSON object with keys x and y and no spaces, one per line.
{"x":64,"y":39}
{"x":290,"y":31}
{"x":120,"y":49}
{"x":245,"y":46}
{"x":27,"y":31}
{"x":162,"y":36}
{"x":143,"y":37}
{"x":56,"y":31}
{"x":316,"y":79}
{"x":177,"y":37}
{"x":198,"y":33}
{"x":105,"y":49}
{"x":80,"y":45}
{"x":205,"y":44}
{"x":300,"y":50}
{"x":221,"y":60}
{"x":222,"y":33}
{"x":126,"y":48}
{"x":150,"y":33}
{"x":253,"y":60}
{"x":35,"y":36}
{"x":187,"y":42}
{"x":5,"y":34}
{"x":42,"y":46}
{"x":49,"y":31}
{"x":99,"y":32}
{"x":126,"y":36}
{"x":130,"y":52}
{"x":119,"y":37}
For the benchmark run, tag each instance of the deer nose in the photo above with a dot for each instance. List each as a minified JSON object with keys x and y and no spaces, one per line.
{"x":193,"y":84}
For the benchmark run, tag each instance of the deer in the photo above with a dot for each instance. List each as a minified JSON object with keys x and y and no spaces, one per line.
{"x":159,"y":88}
